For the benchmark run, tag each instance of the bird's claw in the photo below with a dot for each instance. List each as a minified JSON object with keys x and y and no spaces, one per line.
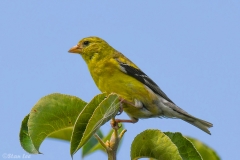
{"x":120,"y":109}
{"x":115,"y":124}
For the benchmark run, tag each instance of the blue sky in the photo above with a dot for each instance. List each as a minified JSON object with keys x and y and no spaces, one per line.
{"x":190,"y":49}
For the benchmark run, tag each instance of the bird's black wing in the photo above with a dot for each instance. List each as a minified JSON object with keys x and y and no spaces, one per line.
{"x":142,"y":77}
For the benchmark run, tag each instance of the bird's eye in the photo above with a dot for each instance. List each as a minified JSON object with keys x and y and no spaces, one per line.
{"x":86,"y":43}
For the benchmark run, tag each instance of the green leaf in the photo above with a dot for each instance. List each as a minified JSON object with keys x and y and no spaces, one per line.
{"x":25,"y":139}
{"x":154,"y":144}
{"x":83,"y":119}
{"x":64,"y":134}
{"x":89,"y":122}
{"x":205,"y":151}
{"x":53,"y":113}
{"x":185,"y":147}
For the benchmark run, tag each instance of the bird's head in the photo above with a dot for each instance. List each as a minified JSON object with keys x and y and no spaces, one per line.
{"x":92,"y":48}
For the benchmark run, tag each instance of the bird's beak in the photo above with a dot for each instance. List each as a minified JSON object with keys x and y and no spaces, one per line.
{"x":75,"y":49}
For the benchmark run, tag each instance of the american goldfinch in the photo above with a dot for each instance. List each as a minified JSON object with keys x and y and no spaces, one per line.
{"x":114,"y":73}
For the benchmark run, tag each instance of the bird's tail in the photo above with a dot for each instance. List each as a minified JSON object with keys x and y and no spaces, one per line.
{"x":180,"y":113}
{"x":201,"y":124}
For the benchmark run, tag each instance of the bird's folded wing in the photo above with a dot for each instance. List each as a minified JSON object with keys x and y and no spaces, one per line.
{"x":141,"y":76}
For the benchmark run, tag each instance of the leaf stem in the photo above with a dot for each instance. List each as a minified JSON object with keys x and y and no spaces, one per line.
{"x":112,"y":145}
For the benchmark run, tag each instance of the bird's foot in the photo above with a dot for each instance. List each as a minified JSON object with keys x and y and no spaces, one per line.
{"x":120,"y":108}
{"x":115,"y":125}
{"x":121,"y":105}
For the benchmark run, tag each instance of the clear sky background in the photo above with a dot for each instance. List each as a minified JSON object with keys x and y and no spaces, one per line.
{"x":190,"y":49}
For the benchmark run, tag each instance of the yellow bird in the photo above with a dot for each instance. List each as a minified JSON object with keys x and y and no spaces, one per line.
{"x":114,"y":73}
